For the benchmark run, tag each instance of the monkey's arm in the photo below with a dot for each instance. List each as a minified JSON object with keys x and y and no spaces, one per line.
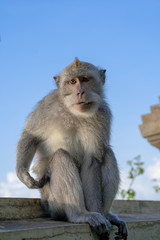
{"x":25,"y":152}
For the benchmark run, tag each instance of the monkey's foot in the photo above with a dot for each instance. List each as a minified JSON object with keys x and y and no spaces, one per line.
{"x":122,"y":231}
{"x":99,"y":223}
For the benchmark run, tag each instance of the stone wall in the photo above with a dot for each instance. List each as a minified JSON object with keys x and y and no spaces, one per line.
{"x":150,"y":127}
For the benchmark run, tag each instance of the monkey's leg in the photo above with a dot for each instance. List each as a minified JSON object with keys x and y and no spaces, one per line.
{"x":110,"y":182}
{"x":92,"y":187}
{"x":65,"y":194}
{"x":91,"y":183}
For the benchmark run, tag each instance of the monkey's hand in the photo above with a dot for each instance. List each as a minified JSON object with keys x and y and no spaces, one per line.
{"x":43,"y":181}
{"x":122,"y":231}
{"x":26,"y":178}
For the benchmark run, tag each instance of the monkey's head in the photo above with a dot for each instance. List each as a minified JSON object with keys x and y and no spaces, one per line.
{"x":81,"y":87}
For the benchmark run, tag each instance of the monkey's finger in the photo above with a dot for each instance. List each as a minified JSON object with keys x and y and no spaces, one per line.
{"x":122,"y":230}
{"x":43,"y":181}
{"x":104,"y":236}
{"x":32,"y":183}
{"x":120,"y":236}
{"x":29,"y":181}
{"x":105,"y":229}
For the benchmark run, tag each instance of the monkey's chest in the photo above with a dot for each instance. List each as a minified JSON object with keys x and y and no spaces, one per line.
{"x":77,"y":143}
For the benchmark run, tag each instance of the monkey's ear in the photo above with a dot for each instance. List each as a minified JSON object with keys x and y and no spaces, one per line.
{"x":56,"y":78}
{"x":76,"y":62}
{"x":102,"y":73}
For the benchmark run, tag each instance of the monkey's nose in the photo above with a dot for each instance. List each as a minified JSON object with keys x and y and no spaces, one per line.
{"x":80,"y":93}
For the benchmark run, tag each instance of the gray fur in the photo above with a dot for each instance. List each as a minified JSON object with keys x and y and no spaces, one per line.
{"x":69,"y":135}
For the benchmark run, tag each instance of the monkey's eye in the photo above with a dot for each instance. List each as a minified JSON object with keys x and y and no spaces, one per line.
{"x":72,"y":81}
{"x":84,"y":79}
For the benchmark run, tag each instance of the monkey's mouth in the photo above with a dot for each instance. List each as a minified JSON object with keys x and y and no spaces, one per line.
{"x":84,"y":103}
{"x":83,"y":106}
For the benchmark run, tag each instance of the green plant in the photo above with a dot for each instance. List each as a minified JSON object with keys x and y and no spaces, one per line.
{"x":135,"y":170}
{"x":157,"y":187}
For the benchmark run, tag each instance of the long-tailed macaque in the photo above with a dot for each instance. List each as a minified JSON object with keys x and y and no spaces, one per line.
{"x":69,"y":135}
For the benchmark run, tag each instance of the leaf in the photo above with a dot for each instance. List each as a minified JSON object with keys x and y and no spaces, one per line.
{"x":131,"y":175}
{"x":131,"y":194}
{"x":139,"y":163}
{"x":123,"y":193}
{"x":157,"y":189}
{"x":140,"y":171}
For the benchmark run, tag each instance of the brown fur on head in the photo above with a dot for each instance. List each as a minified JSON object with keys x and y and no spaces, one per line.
{"x":81,"y":85}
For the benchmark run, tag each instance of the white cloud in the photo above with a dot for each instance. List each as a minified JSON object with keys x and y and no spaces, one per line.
{"x":153,"y":171}
{"x":12,"y":187}
{"x":143,"y":184}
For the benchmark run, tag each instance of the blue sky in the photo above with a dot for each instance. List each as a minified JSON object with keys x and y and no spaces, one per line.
{"x":39,"y":38}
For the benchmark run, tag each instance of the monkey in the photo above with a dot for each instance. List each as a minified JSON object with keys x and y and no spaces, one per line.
{"x":68,"y":135}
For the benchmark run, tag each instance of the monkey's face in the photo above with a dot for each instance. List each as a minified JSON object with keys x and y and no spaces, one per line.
{"x":80,"y":86}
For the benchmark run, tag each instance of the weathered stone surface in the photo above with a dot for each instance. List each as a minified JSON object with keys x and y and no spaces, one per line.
{"x":155,"y":108}
{"x":44,"y":229}
{"x":133,"y":207}
{"x":142,"y":218}
{"x":150,"y":128}
{"x":20,"y":208}
{"x":140,"y":226}
{"x":27,"y":208}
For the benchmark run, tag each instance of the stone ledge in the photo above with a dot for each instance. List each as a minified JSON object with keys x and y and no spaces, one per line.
{"x":140,"y":226}
{"x":142,"y":218}
{"x":44,"y":229}
{"x":20,"y":208}
{"x":23,"y":208}
{"x":135,"y":206}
